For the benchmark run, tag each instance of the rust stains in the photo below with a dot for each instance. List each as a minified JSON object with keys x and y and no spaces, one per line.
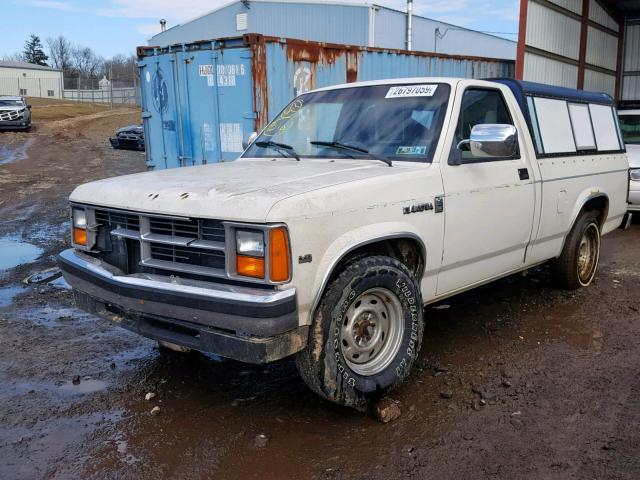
{"x":259,"y":80}
{"x":352,"y":66}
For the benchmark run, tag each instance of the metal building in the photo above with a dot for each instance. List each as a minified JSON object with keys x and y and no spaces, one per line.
{"x":27,"y":79}
{"x":588,"y":44}
{"x":357,"y":24}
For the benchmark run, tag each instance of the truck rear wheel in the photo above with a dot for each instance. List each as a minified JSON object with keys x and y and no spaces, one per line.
{"x":366,"y":332}
{"x":577,"y":264}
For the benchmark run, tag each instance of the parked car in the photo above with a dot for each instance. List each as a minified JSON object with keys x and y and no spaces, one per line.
{"x":15,"y":113}
{"x":630,"y":128}
{"x":129,"y":138}
{"x":353,"y":208}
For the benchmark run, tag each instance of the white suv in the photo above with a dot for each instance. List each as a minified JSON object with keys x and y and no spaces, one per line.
{"x":630,"y":126}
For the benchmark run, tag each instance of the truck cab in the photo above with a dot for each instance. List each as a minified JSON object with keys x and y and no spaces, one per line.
{"x":354,"y":208}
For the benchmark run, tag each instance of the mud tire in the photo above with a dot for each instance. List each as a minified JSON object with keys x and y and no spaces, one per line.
{"x":566,"y":267}
{"x":323,"y":366}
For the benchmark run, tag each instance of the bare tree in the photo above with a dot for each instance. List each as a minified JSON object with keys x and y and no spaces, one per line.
{"x":15,"y":57}
{"x":86,"y":63}
{"x":60,"y":49}
{"x":122,"y":70}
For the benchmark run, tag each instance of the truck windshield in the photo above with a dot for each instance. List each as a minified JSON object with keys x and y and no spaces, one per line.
{"x":11,"y":103}
{"x":630,"y":127}
{"x":399,"y":122}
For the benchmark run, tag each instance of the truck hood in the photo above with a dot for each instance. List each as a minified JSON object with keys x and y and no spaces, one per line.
{"x":11,"y":109}
{"x":243,"y":190}
{"x":633,"y":155}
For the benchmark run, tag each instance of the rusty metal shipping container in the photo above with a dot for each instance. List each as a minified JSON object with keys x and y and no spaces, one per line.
{"x":201,"y":100}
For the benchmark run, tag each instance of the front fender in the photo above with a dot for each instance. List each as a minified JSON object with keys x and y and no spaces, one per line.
{"x":356,"y":238}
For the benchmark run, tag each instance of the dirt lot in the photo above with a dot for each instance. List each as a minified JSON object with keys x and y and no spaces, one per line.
{"x":542,"y":383}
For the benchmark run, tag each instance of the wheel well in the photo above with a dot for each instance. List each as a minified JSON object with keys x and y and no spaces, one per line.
{"x":599,"y":205}
{"x":405,"y":249}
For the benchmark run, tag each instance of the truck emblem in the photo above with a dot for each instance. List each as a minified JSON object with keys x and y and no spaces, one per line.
{"x":418,"y":207}
{"x":305,"y":258}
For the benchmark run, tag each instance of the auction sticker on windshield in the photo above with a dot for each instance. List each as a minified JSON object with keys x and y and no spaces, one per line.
{"x":411,"y":91}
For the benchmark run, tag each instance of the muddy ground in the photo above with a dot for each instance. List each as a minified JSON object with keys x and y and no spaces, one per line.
{"x":542,"y":383}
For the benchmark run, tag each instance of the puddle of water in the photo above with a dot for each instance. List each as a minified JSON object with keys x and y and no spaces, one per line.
{"x":14,"y":153}
{"x":14,"y":253}
{"x":50,"y":316}
{"x":85,"y":386}
{"x":7,"y":295}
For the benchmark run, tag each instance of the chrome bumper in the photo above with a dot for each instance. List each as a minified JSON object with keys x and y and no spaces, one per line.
{"x":245,"y":323}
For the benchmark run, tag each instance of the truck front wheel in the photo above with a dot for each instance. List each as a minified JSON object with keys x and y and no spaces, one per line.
{"x":577,"y":264}
{"x":366,"y":332}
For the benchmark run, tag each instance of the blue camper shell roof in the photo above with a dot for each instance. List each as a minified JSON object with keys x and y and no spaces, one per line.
{"x":522,"y":89}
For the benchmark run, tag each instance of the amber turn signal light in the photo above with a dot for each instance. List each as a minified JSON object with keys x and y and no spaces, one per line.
{"x":79,"y":236}
{"x":279,"y":265}
{"x":250,"y":266}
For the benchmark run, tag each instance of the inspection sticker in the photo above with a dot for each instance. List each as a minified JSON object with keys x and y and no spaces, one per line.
{"x":411,"y":91}
{"x":419,"y":150}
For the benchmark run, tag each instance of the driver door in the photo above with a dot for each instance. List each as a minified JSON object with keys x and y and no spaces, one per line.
{"x":489,"y":202}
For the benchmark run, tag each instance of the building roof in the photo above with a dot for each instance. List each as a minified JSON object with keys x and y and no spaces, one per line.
{"x":24,"y":65}
{"x":336,"y":3}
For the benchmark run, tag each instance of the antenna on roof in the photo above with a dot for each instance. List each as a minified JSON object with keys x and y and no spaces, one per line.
{"x":163,"y":24}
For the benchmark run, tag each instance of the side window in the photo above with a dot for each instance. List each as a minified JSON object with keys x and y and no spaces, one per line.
{"x":479,"y":106}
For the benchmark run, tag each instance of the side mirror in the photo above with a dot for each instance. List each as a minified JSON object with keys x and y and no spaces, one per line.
{"x":250,"y":140}
{"x":29,"y":107}
{"x":493,"y":140}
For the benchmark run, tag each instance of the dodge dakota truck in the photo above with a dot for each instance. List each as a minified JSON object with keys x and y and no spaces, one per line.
{"x":355,"y":207}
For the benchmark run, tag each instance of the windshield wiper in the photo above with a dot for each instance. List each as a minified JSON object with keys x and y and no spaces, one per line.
{"x":280,"y":147}
{"x":343,"y":146}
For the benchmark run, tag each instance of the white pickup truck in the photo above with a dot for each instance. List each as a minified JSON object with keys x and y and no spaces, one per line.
{"x":352,"y":209}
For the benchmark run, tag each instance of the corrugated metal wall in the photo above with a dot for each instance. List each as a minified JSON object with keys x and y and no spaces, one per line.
{"x":570,"y":43}
{"x":547,"y":70}
{"x":365,"y":25}
{"x":631,"y":71}
{"x":32,"y":87}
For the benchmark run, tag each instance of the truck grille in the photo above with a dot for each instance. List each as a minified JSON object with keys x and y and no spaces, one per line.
{"x":10,"y":115}
{"x":195,"y":246}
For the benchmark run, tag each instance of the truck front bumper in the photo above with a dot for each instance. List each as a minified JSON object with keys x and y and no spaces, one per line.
{"x":248,"y":324}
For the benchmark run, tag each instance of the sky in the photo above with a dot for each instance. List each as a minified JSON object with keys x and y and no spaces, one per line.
{"x":111,"y":27}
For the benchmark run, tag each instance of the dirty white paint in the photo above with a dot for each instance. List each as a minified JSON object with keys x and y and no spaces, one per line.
{"x":495,"y":223}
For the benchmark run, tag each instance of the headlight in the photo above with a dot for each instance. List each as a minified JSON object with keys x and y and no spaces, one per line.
{"x":79,"y":227}
{"x":263,"y":254}
{"x":634,"y":174}
{"x":250,"y":253}
{"x":250,"y":243}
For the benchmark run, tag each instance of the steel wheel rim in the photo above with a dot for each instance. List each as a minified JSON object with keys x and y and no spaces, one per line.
{"x":588,"y":252}
{"x":371,"y":331}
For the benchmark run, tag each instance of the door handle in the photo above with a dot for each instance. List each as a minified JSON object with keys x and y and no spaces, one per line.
{"x":523,"y":173}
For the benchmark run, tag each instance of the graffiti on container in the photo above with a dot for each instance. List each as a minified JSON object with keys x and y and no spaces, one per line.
{"x":301,"y":80}
{"x":160,"y":93}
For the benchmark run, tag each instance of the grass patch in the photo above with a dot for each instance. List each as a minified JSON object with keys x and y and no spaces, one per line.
{"x":52,"y":109}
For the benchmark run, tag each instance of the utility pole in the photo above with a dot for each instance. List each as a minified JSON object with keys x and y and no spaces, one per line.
{"x":111,"y":84}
